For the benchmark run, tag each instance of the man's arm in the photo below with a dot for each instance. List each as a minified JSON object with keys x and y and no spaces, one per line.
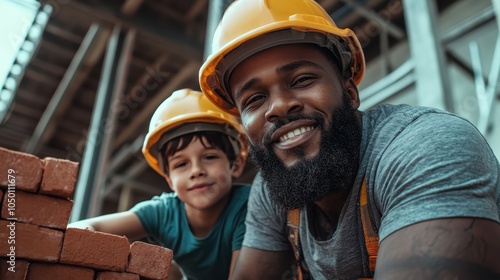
{"x":261,"y":264}
{"x":452,"y":248}
{"x":234,"y":257}
{"x":124,"y":223}
{"x":265,"y":230}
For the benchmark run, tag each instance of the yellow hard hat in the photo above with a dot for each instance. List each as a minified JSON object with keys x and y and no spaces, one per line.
{"x":187,"y":111}
{"x":249,"y":26}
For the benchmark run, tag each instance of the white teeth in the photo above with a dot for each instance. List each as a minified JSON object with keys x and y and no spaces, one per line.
{"x":294,"y":133}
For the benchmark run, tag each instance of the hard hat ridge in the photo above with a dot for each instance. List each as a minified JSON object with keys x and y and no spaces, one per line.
{"x":188,"y":111}
{"x":250,"y":26}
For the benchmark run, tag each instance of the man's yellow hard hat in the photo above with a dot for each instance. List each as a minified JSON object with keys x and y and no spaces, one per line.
{"x":249,"y":26}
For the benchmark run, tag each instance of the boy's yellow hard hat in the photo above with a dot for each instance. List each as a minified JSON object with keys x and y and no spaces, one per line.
{"x":249,"y":26}
{"x":183,"y":108}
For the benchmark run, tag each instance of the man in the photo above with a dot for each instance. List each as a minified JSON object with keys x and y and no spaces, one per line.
{"x":424,"y":181}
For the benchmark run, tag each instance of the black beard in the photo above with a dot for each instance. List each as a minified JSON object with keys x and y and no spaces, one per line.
{"x":333,"y":169}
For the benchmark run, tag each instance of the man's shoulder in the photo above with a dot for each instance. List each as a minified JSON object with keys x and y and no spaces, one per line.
{"x":389,"y":121}
{"x":397,"y":113}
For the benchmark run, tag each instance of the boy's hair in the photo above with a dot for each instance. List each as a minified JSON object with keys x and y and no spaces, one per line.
{"x":209,"y":139}
{"x":189,"y":111}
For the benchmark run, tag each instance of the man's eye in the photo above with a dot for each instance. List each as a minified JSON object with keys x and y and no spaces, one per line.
{"x":253,"y":100}
{"x":302,"y":81}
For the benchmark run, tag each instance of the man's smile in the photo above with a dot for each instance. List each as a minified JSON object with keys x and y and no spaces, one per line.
{"x":296,"y":132}
{"x":293,"y":133}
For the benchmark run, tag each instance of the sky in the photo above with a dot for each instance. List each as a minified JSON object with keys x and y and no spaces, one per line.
{"x":16,"y":18}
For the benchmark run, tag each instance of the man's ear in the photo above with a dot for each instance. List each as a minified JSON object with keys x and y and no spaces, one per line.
{"x":352,"y":91}
{"x":238,"y":166}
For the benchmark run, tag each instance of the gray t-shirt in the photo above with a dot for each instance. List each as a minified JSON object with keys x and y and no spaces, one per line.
{"x":419,"y":164}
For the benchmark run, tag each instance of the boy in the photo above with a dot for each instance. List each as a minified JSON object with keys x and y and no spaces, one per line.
{"x":199,"y":150}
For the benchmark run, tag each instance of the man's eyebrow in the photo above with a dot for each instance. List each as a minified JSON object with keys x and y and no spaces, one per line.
{"x":297,"y":64}
{"x":245,"y":87}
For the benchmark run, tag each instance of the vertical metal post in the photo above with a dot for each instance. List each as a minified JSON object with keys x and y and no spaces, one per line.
{"x":433,"y":85}
{"x":97,"y":149}
{"x":215,"y":11}
{"x":496,"y":8}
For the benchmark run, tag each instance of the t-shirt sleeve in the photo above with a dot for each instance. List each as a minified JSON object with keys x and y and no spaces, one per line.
{"x":239,"y":231}
{"x":151,"y":213}
{"x":265,"y":224}
{"x":439,"y":166}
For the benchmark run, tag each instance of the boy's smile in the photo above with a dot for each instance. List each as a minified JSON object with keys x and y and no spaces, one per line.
{"x":200,"y":187}
{"x":201,"y":177}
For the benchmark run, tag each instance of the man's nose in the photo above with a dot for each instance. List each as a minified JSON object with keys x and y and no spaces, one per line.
{"x":282,"y":103}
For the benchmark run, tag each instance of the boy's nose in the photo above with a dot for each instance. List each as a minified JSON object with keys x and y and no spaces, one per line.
{"x":198,"y":169}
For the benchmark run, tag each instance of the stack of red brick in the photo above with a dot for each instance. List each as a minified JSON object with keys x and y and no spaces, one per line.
{"x":34,"y":241}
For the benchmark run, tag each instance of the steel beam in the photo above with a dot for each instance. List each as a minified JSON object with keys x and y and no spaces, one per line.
{"x":130,"y":173}
{"x":485,"y":92}
{"x":97,"y":149}
{"x":473,"y":22}
{"x":85,"y":58}
{"x":130,"y":7}
{"x":127,"y":151}
{"x":188,"y":71}
{"x":138,"y":186}
{"x":399,"y":79}
{"x":196,"y":9}
{"x":496,"y":8}
{"x":433,"y":85}
{"x":370,"y":14}
{"x":159,"y":32}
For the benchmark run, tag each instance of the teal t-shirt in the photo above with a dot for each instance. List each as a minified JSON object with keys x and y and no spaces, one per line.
{"x":164,"y":218}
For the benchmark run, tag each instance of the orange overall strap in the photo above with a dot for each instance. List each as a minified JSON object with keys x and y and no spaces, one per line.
{"x":293,"y":221}
{"x":371,"y":237}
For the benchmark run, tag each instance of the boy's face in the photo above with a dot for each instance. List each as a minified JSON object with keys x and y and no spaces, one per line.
{"x":201,"y":177}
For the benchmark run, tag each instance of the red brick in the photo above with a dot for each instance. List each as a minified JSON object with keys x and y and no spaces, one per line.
{"x":150,"y":261}
{"x":109,"y":275}
{"x":32,"y":242}
{"x":43,"y":271}
{"x":28,"y":170}
{"x":94,"y":249}
{"x":14,"y":271}
{"x":59,"y":177}
{"x":40,"y":210}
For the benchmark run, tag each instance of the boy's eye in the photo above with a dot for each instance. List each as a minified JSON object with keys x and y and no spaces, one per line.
{"x":179,"y":164}
{"x":211,"y":157}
